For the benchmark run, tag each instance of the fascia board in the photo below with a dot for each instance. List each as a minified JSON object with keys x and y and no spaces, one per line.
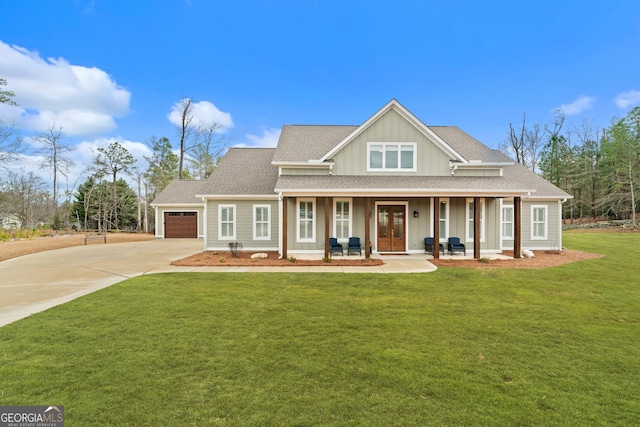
{"x":412,"y":192}
{"x":239,"y":196}
{"x":305,"y":165}
{"x":153,"y":205}
{"x":481,"y":165}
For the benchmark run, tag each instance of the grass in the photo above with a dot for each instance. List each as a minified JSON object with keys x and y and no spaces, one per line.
{"x":556,"y":346}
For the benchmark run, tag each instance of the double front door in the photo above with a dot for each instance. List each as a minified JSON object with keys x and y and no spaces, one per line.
{"x":391,"y":228}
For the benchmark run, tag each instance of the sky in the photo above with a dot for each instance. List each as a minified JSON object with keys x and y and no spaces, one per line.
{"x":114,"y":70}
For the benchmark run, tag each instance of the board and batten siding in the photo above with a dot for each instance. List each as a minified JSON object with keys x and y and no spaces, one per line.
{"x":391,"y":127}
{"x":244,"y":225}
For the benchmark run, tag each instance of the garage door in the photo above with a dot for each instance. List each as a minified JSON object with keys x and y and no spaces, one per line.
{"x":180,"y":225}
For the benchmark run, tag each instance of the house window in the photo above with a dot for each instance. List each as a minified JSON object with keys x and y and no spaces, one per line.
{"x":393,"y":157}
{"x":470,"y":220}
{"x":444,"y":217}
{"x":507,"y":222}
{"x":227,"y":222}
{"x":342,"y":221}
{"x":261,"y":222}
{"x":306,"y":227}
{"x":538,"y":222}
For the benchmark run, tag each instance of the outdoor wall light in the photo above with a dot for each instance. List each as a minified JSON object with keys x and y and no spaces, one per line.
{"x":415,"y":214}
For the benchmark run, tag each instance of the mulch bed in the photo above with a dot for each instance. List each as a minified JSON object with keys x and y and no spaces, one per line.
{"x":212,"y":259}
{"x":541,"y":259}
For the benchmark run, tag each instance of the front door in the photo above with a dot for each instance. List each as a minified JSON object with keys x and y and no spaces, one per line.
{"x":391,"y":236}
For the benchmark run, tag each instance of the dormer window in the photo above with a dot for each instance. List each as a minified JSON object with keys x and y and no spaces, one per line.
{"x":391,"y":156}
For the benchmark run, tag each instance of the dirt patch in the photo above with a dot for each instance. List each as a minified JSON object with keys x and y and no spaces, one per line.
{"x":16,"y":248}
{"x":212,"y":259}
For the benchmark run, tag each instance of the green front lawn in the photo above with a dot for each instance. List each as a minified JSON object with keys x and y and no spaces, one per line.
{"x":557,"y":346}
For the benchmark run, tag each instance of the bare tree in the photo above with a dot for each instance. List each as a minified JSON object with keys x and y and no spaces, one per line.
{"x":200,"y":139}
{"x":25,"y":196}
{"x":208,"y":148}
{"x":184,"y":131}
{"x":10,"y":143}
{"x":527,"y":142}
{"x":54,"y":150}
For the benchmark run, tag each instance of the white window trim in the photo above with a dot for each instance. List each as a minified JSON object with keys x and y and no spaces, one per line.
{"x":503,"y":222}
{"x":312,"y":239}
{"x":335,"y":221}
{"x":469,"y":212}
{"x":233,"y":221}
{"x":414,"y":168}
{"x":546,"y":222}
{"x":255,"y":223}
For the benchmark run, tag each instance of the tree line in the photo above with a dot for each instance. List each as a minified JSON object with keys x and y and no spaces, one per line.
{"x":600,"y":167}
{"x":104,"y":200}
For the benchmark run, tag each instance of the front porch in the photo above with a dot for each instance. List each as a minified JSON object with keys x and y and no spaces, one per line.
{"x":389,"y":225}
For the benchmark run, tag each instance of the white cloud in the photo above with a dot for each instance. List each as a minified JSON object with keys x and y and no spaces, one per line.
{"x":81,"y":100}
{"x":625,"y":100}
{"x":581,"y":104}
{"x":269,"y":139}
{"x":203,"y":111}
{"x":82,"y":157}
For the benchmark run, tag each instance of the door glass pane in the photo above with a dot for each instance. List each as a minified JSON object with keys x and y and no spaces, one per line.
{"x":398,"y":223}
{"x":383,"y":223}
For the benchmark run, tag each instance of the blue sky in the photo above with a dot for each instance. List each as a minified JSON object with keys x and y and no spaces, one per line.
{"x":111,"y":69}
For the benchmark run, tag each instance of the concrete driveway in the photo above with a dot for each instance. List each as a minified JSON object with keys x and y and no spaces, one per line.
{"x":33,"y":283}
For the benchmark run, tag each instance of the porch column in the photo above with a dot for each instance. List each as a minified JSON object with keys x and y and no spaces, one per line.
{"x":517,"y":229}
{"x":367,"y":228}
{"x":476,"y":227}
{"x":436,"y":227}
{"x":285,"y":202}
{"x":327,"y":223}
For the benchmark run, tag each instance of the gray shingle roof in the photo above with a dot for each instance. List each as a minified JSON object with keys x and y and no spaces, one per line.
{"x":299,"y":143}
{"x":181,"y":192}
{"x":469,"y":147}
{"x":516,"y":179}
{"x":243,"y":171}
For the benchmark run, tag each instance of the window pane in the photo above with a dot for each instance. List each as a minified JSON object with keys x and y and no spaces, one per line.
{"x":406,"y":157}
{"x":507,"y":214}
{"x":375,"y":157}
{"x":391,"y":157}
{"x":443,"y":220}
